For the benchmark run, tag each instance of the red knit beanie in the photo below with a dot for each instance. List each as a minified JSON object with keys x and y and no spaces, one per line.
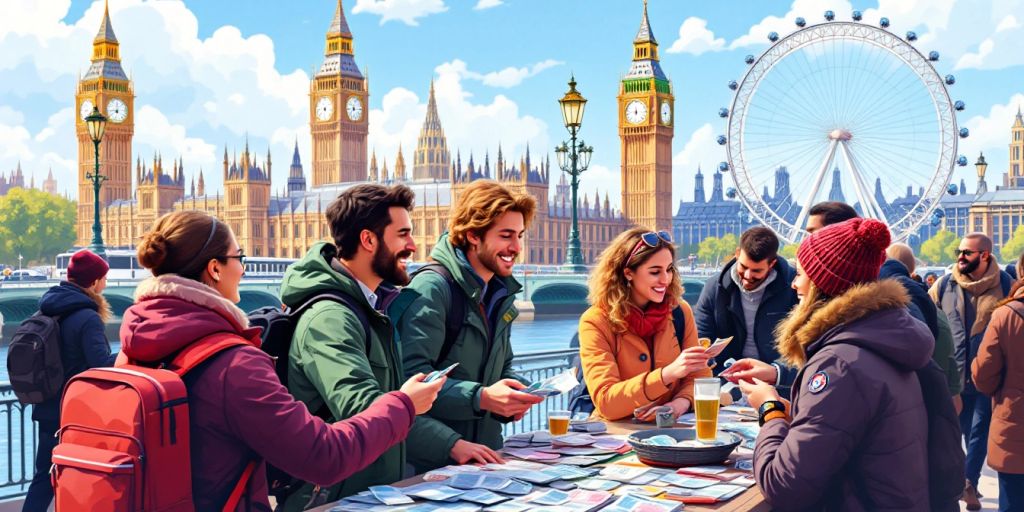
{"x":842,"y":255}
{"x":86,"y":268}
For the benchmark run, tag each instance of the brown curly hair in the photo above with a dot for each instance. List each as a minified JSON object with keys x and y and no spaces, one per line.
{"x":479,"y":206}
{"x":608,"y":288}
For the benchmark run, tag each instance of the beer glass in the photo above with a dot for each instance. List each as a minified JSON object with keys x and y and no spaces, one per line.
{"x":558,"y":422}
{"x":705,"y":397}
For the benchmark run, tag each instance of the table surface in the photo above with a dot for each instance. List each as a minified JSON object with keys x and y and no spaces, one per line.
{"x":749,"y":500}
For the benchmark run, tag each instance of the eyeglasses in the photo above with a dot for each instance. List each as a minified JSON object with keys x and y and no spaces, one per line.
{"x":966,"y":252}
{"x":650,"y":239}
{"x":239,"y":257}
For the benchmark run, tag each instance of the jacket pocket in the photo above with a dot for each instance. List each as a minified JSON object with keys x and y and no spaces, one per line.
{"x":86,"y":478}
{"x":1010,"y":402}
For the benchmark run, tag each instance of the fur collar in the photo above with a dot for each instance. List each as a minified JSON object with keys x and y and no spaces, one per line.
{"x":805,"y":325}
{"x":190,"y":290}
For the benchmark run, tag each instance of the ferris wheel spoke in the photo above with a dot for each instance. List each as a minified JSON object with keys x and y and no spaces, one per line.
{"x":817,"y":183}
{"x":795,"y":104}
{"x":872,"y":203}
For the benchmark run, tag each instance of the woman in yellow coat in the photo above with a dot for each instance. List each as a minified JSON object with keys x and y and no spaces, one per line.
{"x":628,"y":348}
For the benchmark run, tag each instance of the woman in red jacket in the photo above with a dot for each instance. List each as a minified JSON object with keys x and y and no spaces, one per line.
{"x":239,"y":410}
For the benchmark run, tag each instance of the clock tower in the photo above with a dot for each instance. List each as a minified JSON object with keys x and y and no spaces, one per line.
{"x":107,"y":88}
{"x":338,"y":110}
{"x":646,"y":117}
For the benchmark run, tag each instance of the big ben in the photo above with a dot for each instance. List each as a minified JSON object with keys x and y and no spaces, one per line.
{"x":646,"y":109}
{"x":338,"y":110}
{"x":105,"y":87}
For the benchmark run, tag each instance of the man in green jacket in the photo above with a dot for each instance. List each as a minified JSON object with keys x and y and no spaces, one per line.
{"x":333,"y":368}
{"x":484,"y":238}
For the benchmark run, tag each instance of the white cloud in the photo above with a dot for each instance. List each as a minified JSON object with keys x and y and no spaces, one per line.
{"x":700,"y":150}
{"x":598,"y":178}
{"x":989,"y":134}
{"x":406,"y":11}
{"x":811,"y":10}
{"x":472,"y":127}
{"x":510,"y":76}
{"x":487,"y":4}
{"x":154,"y":132}
{"x":695,"y":38}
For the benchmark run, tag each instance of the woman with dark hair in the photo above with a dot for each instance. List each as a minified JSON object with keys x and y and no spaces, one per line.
{"x":856,"y":434}
{"x":239,"y":411}
{"x":631,"y":357}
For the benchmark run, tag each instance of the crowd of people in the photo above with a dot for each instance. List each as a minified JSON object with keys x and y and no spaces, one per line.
{"x":847,"y":356}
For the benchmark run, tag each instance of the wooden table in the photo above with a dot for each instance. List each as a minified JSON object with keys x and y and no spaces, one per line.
{"x":749,"y":500}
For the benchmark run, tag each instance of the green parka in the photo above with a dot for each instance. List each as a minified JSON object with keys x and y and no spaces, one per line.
{"x":482,"y":349}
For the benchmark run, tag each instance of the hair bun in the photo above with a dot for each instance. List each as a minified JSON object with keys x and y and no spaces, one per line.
{"x":874,"y":233}
{"x":152,"y":251}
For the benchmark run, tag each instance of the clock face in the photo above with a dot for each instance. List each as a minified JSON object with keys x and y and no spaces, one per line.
{"x":117,"y":111}
{"x":354,"y":108}
{"x":324,"y":108}
{"x":666,"y":112}
{"x":86,"y":109}
{"x":636,"y":112}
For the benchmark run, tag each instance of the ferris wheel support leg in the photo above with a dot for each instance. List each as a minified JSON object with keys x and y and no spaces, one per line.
{"x":817,"y":185}
{"x":868,"y":201}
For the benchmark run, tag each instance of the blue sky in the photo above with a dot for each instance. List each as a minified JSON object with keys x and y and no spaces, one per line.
{"x":207,"y":73}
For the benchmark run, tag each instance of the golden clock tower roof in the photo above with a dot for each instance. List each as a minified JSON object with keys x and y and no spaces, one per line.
{"x":645,"y":35}
{"x":106,"y":52}
{"x":106,"y":31}
{"x":340,"y":49}
{"x":339,"y":25}
{"x":645,"y":53}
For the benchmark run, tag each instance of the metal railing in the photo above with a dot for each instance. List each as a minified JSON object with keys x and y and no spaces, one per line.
{"x":18,"y":434}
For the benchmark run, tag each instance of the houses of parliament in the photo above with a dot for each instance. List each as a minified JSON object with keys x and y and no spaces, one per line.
{"x":286,"y":225}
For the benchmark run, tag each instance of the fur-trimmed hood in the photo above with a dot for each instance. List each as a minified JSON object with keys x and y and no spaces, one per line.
{"x":871,"y":315}
{"x":171,"y":312}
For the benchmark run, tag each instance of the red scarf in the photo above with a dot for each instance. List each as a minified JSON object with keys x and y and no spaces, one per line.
{"x":648,"y":322}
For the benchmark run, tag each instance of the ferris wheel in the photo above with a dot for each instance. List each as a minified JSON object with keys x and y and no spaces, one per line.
{"x":842,"y":109}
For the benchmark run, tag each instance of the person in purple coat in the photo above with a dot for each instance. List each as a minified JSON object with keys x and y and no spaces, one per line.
{"x":852,"y":437}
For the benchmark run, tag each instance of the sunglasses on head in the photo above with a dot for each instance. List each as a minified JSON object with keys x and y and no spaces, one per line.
{"x":650,"y":239}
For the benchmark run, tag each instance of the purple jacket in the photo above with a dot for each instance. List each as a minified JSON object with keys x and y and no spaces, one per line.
{"x":855,"y":441}
{"x":239,"y":410}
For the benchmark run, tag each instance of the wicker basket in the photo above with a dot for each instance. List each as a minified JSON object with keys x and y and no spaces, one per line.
{"x":676,"y":456}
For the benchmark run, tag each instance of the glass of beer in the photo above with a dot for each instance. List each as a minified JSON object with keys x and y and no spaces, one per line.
{"x":558,"y":422}
{"x":705,"y":397}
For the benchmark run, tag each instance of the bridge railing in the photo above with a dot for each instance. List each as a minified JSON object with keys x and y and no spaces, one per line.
{"x":18,"y":434}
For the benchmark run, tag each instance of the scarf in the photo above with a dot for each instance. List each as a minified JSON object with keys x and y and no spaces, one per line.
{"x":984,"y":294}
{"x":645,"y":323}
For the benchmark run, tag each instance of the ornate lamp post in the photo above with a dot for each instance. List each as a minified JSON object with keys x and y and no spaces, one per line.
{"x":96,"y":123}
{"x":573,"y":158}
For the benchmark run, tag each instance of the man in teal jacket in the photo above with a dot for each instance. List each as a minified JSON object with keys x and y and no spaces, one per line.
{"x":484,"y":239}
{"x":333,"y":368}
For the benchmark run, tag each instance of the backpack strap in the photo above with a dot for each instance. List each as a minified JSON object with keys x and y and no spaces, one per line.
{"x":679,"y":321}
{"x":1017,"y":306}
{"x":243,"y":482}
{"x":943,"y":282}
{"x":342,"y":299}
{"x":202,"y":350}
{"x":456,"y":314}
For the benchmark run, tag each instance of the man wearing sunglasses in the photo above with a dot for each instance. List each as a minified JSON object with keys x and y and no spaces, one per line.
{"x":968,"y":296}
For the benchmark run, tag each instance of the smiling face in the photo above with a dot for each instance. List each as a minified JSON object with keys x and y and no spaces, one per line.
{"x":391,"y":257}
{"x":801,"y":283}
{"x":971,"y":256}
{"x":752,"y":273}
{"x":225,"y":274}
{"x":498,"y":249}
{"x":650,"y":280}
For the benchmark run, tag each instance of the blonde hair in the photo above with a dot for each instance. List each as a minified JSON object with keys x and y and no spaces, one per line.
{"x":608,"y":286}
{"x":479,"y":206}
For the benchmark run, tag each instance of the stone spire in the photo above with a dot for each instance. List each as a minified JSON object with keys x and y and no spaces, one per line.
{"x":400,"y":165}
{"x":106,"y":31}
{"x":836,"y":193}
{"x":201,"y":188}
{"x":431,"y":159}
{"x":716,"y":190}
{"x":296,"y":178}
{"x":339,"y":26}
{"x":645,"y":35}
{"x":374,"y":175}
{"x":698,"y":187}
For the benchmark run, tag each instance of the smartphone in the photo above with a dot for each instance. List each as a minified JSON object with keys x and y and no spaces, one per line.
{"x":439,"y":373}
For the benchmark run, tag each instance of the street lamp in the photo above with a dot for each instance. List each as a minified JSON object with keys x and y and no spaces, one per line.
{"x":573,"y":158}
{"x":96,"y":123}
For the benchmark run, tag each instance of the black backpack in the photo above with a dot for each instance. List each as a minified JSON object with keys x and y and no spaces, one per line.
{"x":33,"y":360}
{"x":456,"y":316}
{"x":278,"y":332}
{"x":579,"y":397}
{"x":945,"y":453}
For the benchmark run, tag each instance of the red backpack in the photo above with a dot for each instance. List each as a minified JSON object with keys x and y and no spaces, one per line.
{"x":124,"y":437}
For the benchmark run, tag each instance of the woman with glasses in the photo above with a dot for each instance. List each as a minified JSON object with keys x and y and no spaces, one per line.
{"x":239,"y":411}
{"x":632,"y":359}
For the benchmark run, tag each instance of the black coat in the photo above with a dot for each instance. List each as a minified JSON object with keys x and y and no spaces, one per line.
{"x":924,"y":308}
{"x":83,"y":344}
{"x":719,"y":314}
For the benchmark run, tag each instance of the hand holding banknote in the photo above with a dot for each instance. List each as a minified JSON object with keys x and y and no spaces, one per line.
{"x":689,"y":361}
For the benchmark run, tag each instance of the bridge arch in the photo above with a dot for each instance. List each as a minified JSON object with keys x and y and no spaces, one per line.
{"x":560,"y":299}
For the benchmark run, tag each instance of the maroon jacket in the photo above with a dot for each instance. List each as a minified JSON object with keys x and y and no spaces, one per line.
{"x":238,"y":408}
{"x":858,"y":437}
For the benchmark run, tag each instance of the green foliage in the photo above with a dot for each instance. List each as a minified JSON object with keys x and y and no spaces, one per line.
{"x":713,"y":249}
{"x":788,"y":251}
{"x":36,"y":225}
{"x":940,"y":249}
{"x":1014,"y":247}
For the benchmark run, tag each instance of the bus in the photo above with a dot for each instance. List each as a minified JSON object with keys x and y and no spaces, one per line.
{"x":125,"y":266}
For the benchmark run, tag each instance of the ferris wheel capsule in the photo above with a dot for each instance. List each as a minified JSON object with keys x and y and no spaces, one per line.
{"x":724,"y":112}
{"x":722,"y":140}
{"x":749,"y":59}
{"x":962,"y":161}
{"x":950,"y":79}
{"x":857,"y":16}
{"x":732,"y":85}
{"x":940,"y":213}
{"x":723,"y":166}
{"x":911,"y":35}
{"x":800,"y":22}
{"x":935,"y":221}
{"x":959,"y":106}
{"x":952,"y":189}
{"x":933,"y":56}
{"x":731,"y":194}
{"x":964,"y":133}
{"x":884,"y":23}
{"x":829,"y":15}
{"x":773,"y":36}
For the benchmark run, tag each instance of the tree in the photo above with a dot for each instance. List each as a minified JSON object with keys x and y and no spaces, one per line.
{"x":788,"y":251}
{"x":940,"y":249}
{"x":1013,"y":247}
{"x":35,"y":225}
{"x":713,"y":249}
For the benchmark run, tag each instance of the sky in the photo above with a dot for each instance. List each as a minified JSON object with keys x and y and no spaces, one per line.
{"x":211,"y":74}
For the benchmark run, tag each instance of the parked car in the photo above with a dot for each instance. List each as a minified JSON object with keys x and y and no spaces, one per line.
{"x":26,"y":275}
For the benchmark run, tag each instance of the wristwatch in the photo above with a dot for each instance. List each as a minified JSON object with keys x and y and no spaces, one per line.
{"x":770,"y":410}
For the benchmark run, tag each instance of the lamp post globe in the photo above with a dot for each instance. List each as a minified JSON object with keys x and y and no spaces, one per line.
{"x":96,"y":124}
{"x":573,"y":158}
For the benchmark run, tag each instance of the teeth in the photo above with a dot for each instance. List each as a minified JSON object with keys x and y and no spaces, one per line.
{"x":507,"y":258}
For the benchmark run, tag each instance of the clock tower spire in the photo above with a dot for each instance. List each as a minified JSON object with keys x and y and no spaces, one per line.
{"x":646,"y":108}
{"x":338,"y":109}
